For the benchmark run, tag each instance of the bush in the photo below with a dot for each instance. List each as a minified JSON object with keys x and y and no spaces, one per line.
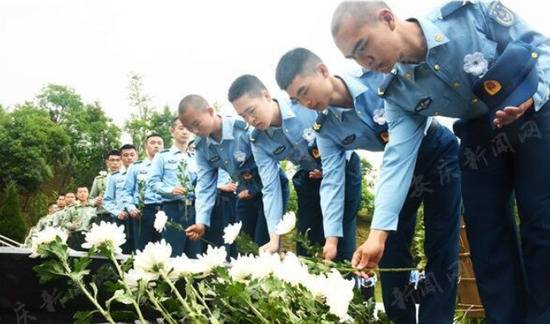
{"x":12,"y":224}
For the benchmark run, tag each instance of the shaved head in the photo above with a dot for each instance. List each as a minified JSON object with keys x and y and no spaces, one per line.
{"x":192,"y":100}
{"x":362,"y":12}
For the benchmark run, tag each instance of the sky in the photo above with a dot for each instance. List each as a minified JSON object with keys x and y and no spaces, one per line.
{"x":178,"y":47}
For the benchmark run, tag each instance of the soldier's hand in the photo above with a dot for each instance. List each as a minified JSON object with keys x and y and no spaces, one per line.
{"x":509,"y":114}
{"x":272,"y":246}
{"x":370,"y":252}
{"x":178,"y":191}
{"x":331,"y":248}
{"x":229,"y":187}
{"x":315,"y":174}
{"x":98,"y":201}
{"x":245,"y":195}
{"x":135,"y":213}
{"x":195,"y":231}
{"x":122,"y":215}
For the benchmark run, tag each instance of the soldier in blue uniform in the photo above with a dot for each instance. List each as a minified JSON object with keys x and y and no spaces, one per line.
{"x":481,"y":63}
{"x":142,"y":203}
{"x":114,"y":200}
{"x":224,"y":143}
{"x":282,"y":131}
{"x":173,"y":176}
{"x":223,"y":212}
{"x":352,"y":116}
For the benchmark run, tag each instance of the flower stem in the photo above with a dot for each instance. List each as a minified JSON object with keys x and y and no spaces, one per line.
{"x":91,"y":298}
{"x":121,"y":274}
{"x":257,"y":312}
{"x":176,"y":292}
{"x":159,"y":307}
{"x":203,"y":302}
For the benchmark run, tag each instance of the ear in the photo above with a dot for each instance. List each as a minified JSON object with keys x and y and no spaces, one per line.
{"x":266,"y":95}
{"x":211,"y":111}
{"x":323,"y":70}
{"x":386,"y":17}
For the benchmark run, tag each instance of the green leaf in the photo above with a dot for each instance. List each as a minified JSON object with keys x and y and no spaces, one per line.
{"x":82,"y":317}
{"x":123,"y":297}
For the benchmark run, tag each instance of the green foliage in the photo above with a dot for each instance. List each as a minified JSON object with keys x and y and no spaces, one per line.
{"x":147,"y":119}
{"x":366,"y":209}
{"x":12,"y":224}
{"x":90,"y":131}
{"x":30,"y":146}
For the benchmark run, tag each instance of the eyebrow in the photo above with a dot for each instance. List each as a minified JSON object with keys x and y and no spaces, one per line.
{"x":359,"y":44}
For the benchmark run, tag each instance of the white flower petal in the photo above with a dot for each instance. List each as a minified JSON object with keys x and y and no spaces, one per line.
{"x":230,"y":232}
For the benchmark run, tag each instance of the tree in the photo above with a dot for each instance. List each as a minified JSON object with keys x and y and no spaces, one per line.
{"x":31,"y":145}
{"x":147,"y":119}
{"x":12,"y":223}
{"x":91,"y":133}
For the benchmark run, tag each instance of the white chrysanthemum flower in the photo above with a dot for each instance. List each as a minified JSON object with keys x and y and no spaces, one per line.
{"x":286,"y":224}
{"x":45,"y":236}
{"x":475,"y":64}
{"x":242,"y":267}
{"x":103,"y":173}
{"x":308,"y":134}
{"x":291,"y":270}
{"x":338,"y":294}
{"x":160,"y":221}
{"x":267,"y":263}
{"x":154,"y":258}
{"x":183,"y":265}
{"x":105,"y":234}
{"x":214,"y":257}
{"x":379,"y":116}
{"x":231,"y":231}
{"x":316,"y":285}
{"x":134,"y":276}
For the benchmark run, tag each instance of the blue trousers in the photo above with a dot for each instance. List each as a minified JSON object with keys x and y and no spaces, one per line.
{"x":128,"y":224}
{"x":178,"y":212}
{"x":143,"y":229}
{"x":499,"y":165}
{"x":223,"y":214}
{"x":251,"y":213}
{"x":436,"y":183}
{"x":310,"y":216}
{"x":352,"y":201}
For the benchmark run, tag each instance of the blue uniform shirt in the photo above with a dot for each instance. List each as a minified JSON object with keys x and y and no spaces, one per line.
{"x":289,"y":142}
{"x":232,"y":154}
{"x":344,"y":129}
{"x":463,"y":40}
{"x":138,"y":175}
{"x":114,"y":200}
{"x":167,"y":169}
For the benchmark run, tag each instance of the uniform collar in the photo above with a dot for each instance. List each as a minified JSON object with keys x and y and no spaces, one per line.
{"x":434,"y":38}
{"x":355,"y":89}
{"x":287,"y":113}
{"x":227,"y":131}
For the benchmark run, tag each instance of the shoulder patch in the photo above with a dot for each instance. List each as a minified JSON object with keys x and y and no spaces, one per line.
{"x":318,"y":124}
{"x":386,"y":83}
{"x":138,"y":162}
{"x":502,"y":15}
{"x":241,"y":124}
{"x":254,"y":135}
{"x":452,"y":7}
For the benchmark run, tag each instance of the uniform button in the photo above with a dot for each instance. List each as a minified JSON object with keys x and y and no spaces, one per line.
{"x":456,"y":84}
{"x":534,"y":55}
{"x":474,"y":100}
{"x":359,"y":113}
{"x":408,"y":76}
{"x":226,"y":161}
{"x":286,"y":130}
{"x":439,"y":37}
{"x":437,"y":67}
{"x":436,"y":113}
